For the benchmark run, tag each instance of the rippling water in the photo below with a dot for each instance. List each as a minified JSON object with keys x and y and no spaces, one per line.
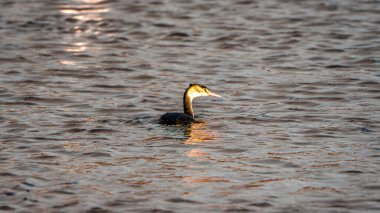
{"x":83,"y":81}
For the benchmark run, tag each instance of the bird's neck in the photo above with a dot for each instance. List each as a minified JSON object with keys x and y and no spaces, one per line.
{"x":187,"y":104}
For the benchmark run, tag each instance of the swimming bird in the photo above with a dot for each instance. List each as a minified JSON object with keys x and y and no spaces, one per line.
{"x":186,"y":118}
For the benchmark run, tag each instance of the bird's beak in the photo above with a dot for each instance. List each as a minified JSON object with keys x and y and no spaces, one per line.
{"x":214,"y":94}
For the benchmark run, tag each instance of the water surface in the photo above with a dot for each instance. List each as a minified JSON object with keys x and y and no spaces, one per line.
{"x":83,"y":81}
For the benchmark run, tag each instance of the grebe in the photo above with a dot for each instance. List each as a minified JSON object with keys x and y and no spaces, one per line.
{"x":176,"y":118}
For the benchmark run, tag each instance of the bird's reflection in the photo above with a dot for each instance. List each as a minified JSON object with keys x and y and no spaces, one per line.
{"x":197,"y":173}
{"x":198,"y":133}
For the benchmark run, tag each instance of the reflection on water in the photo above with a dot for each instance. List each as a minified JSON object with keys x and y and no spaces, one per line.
{"x":86,"y":11}
{"x":67,"y":62}
{"x":77,"y":47}
{"x":199,"y":133}
{"x":197,"y":153}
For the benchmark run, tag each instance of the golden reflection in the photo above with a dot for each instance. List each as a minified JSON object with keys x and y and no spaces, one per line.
{"x":199,"y":134}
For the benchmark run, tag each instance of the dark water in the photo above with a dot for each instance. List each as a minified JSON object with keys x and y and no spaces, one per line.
{"x":297,"y":129}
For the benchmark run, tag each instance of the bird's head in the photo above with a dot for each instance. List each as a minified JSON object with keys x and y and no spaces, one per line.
{"x":197,"y":90}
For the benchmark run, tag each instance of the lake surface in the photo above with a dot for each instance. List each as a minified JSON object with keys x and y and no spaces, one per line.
{"x":83,"y":82}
